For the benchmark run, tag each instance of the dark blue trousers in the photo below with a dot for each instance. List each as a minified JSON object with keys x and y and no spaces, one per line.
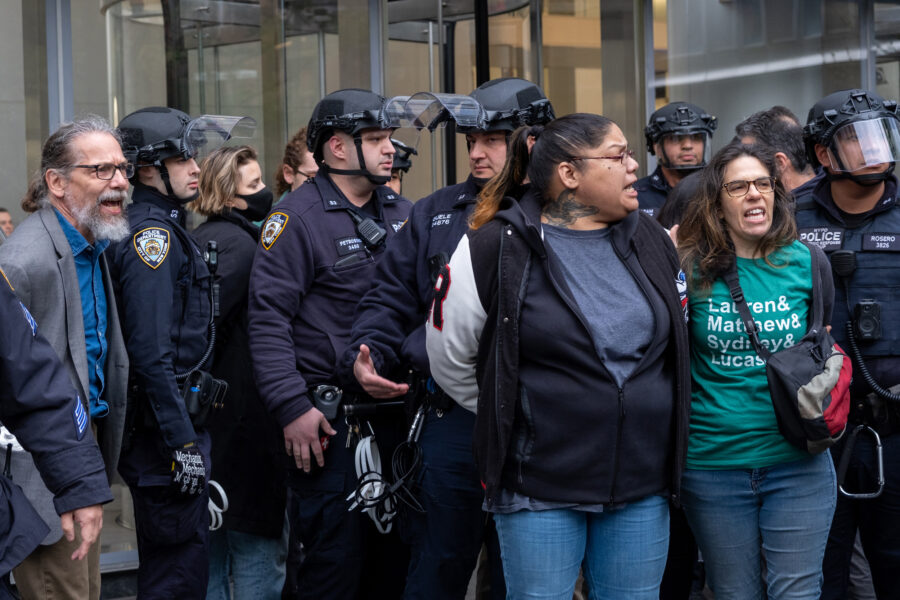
{"x":172,"y":529}
{"x":878,"y":521}
{"x":446,"y":539}
{"x":344,"y":556}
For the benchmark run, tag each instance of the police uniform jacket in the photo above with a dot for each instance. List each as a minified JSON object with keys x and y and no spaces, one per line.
{"x":246,"y":440}
{"x":653,"y":190}
{"x":876,"y":242}
{"x":390,"y":319}
{"x":39,"y":405}
{"x":39,"y":264}
{"x":162,"y":287}
{"x":310,"y":270}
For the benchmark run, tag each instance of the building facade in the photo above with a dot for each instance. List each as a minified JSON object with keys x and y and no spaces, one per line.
{"x":273,"y":59}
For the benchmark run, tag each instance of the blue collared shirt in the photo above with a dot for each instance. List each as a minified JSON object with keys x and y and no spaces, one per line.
{"x":93,"y":310}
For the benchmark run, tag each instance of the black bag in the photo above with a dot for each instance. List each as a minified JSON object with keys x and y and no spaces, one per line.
{"x":810,"y":381}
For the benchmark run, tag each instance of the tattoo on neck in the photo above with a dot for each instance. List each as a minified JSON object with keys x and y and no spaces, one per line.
{"x":565,"y":210}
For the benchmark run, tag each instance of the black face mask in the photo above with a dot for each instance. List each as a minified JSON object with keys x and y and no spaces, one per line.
{"x":258,"y":204}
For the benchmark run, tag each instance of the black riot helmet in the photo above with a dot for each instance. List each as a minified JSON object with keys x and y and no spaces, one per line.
{"x":859,"y":129}
{"x":508,"y":103}
{"x":677,"y":120}
{"x":402,"y":153}
{"x":152,"y":135}
{"x":351,"y":111}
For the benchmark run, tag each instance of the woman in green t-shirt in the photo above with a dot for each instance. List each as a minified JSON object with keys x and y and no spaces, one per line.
{"x":745,"y":487}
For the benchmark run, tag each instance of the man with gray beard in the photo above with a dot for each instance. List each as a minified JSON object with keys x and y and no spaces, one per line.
{"x":55,"y":262}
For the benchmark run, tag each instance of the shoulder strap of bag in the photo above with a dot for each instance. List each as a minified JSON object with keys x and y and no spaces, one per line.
{"x":818,"y":308}
{"x":737,"y":294}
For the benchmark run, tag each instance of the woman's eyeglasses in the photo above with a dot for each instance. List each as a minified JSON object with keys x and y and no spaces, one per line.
{"x":619,"y":157}
{"x":741,"y":187}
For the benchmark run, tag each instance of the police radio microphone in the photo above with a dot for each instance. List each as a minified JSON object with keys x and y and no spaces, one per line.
{"x":843,"y":263}
{"x":371,"y":232}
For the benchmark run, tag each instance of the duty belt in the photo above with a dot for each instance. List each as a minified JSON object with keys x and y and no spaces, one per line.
{"x":330,"y":398}
{"x":881,"y":415}
{"x":428,"y":393}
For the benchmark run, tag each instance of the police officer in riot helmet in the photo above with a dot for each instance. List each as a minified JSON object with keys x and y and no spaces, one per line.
{"x":402,"y":164}
{"x":163,"y":292}
{"x":852,"y":213}
{"x":388,"y":342}
{"x":508,"y":103}
{"x":679,"y":135}
{"x":317,"y":256}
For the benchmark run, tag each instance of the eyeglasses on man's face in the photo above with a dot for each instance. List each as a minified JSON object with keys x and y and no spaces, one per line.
{"x":740,"y":187}
{"x":619,"y":157}
{"x":107,"y":171}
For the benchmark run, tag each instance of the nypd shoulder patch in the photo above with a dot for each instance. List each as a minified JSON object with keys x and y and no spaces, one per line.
{"x":272,"y":228}
{"x":80,"y":417}
{"x":152,"y":245}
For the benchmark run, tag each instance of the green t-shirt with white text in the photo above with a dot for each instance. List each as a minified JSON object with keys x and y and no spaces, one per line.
{"x":733,"y":423}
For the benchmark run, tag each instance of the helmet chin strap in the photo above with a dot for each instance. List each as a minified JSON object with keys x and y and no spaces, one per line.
{"x":164,"y":175}
{"x":362,"y":170}
{"x":866,"y":180}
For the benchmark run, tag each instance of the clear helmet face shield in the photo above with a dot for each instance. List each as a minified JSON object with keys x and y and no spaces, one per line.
{"x":864,"y":144}
{"x":684,"y":150}
{"x":432,"y":111}
{"x":207,"y":133}
{"x":426,"y":110}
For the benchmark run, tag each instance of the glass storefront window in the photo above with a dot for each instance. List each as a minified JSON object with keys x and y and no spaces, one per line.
{"x":887,"y":50}
{"x":267,"y":59}
{"x":736,"y":58}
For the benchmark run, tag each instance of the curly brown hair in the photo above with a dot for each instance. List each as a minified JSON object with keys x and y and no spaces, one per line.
{"x":704,"y":244}
{"x":293,"y":156}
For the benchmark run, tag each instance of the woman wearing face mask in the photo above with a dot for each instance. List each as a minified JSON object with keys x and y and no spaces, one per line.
{"x":250,"y":545}
{"x":296,"y":166}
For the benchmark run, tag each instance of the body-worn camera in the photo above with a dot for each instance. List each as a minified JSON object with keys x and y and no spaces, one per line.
{"x":867,"y":320}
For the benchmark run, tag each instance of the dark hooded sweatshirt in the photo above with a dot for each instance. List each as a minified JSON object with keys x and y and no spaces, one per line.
{"x":552,"y":423}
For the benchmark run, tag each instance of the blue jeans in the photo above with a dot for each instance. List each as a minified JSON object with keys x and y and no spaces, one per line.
{"x":784,"y":510}
{"x":255,"y":563}
{"x":623,"y":551}
{"x":446,"y":539}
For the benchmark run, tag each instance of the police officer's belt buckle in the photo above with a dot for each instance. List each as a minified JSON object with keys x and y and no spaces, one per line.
{"x":845,"y":463}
